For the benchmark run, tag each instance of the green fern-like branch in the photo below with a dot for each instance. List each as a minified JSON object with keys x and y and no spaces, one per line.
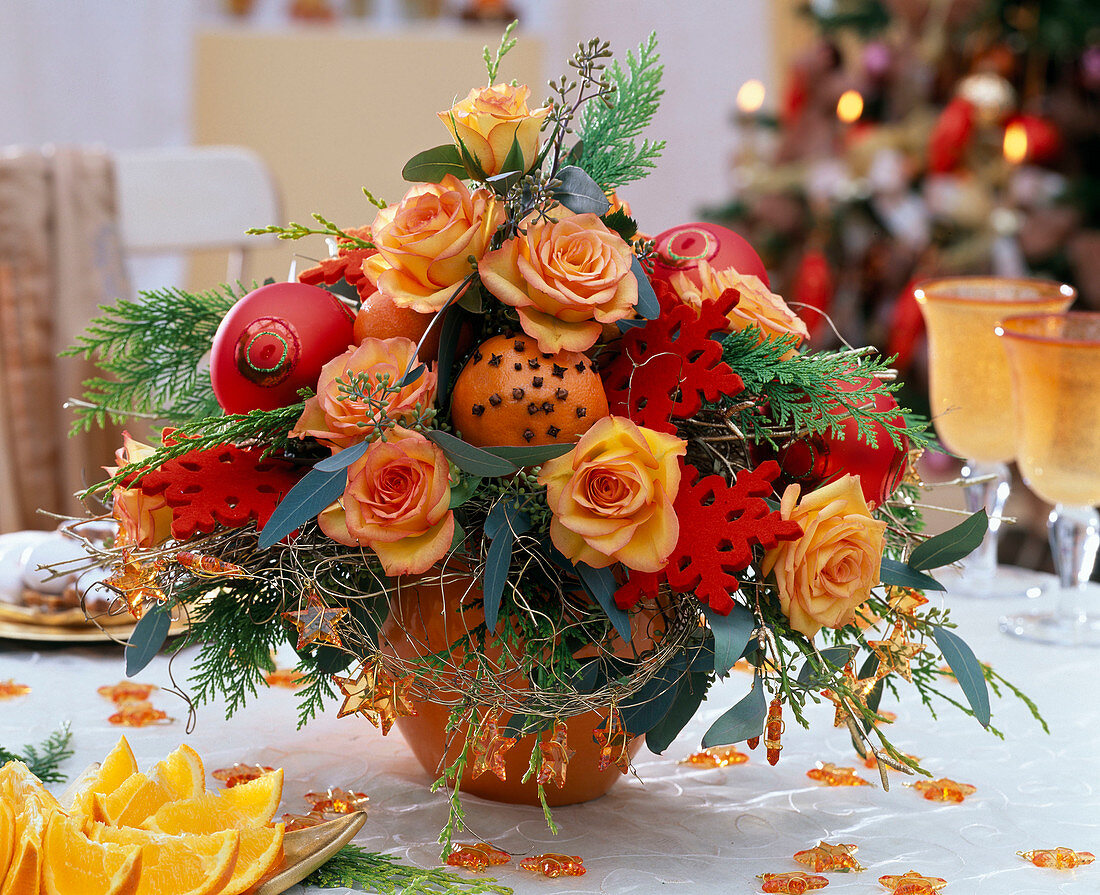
{"x":608,"y":131}
{"x":150,"y":352}
{"x":357,"y":868}
{"x":44,"y":760}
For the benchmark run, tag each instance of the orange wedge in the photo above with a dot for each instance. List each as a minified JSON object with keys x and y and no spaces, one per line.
{"x":20,"y":787}
{"x":182,"y":772}
{"x":179,"y":865}
{"x":74,"y":865}
{"x":111,"y":774}
{"x":261,"y":850}
{"x":243,"y":807}
{"x":25,"y":870}
{"x":135,"y":800}
{"x":7,"y":836}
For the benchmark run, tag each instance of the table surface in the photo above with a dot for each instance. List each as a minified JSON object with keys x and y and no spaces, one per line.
{"x":671,"y":827}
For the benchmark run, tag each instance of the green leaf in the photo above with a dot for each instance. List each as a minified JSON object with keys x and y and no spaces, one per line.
{"x":147,"y":638}
{"x":432,"y":165}
{"x":731,"y":635}
{"x":511,"y":170}
{"x":836,"y":657}
{"x":413,"y":374}
{"x":689,"y":696}
{"x":647,"y":306}
{"x":448,"y":347}
{"x":468,"y":458}
{"x":342,"y":459}
{"x":504,"y":514}
{"x":900,"y":575}
{"x":621,"y":223}
{"x":967,"y":670}
{"x":644,"y":709}
{"x":743,"y":721}
{"x":464,"y":490}
{"x":580,"y":193}
{"x":952,"y":545}
{"x":306,"y":499}
{"x":600,"y":585}
{"x":497,"y":560}
{"x":522,"y":455}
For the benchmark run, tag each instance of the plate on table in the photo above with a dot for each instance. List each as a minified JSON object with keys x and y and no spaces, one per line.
{"x":66,"y":626}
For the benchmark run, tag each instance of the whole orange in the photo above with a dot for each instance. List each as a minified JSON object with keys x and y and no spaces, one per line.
{"x":380,"y":318}
{"x":511,"y":394}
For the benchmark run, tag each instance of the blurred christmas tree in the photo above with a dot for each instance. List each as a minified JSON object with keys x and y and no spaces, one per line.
{"x":918,"y":138}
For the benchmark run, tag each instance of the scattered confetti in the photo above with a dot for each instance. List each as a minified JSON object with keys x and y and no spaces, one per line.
{"x":825,"y":858}
{"x":715,"y":757}
{"x":336,"y":801}
{"x":795,"y":883}
{"x":127,"y":691}
{"x":240,"y":773}
{"x":287,"y":678}
{"x":943,"y":790}
{"x":613,"y":742}
{"x":912,"y":883}
{"x":138,"y":713}
{"x":10,"y":689}
{"x":1060,"y":858}
{"x":554,"y":755}
{"x":477,"y":857}
{"x":831,"y":775}
{"x":553,"y":865}
{"x":316,"y":623}
{"x":302,"y":821}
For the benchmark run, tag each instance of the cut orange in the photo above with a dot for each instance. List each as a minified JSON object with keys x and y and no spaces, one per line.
{"x":179,"y":865}
{"x":25,"y":870}
{"x":182,"y":772}
{"x":243,"y":807}
{"x":7,"y":836}
{"x":74,"y":865}
{"x":114,"y":770}
{"x":261,"y":850}
{"x":20,"y":787}
{"x":135,"y":800}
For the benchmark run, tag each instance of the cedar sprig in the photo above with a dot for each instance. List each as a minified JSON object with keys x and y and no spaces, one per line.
{"x":44,"y":759}
{"x":150,"y":352}
{"x":608,"y":131}
{"x":294,"y":230}
{"x":356,"y":868}
{"x":507,"y":42}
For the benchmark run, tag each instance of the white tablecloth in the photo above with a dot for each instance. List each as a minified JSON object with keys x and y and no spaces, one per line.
{"x":673,"y":828}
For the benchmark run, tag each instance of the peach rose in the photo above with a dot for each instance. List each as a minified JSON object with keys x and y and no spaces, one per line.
{"x":425,"y":242}
{"x":489,"y":120}
{"x":612,"y":495}
{"x":825,"y":575}
{"x":566,"y":276}
{"x":396,"y":503}
{"x":339,"y":419}
{"x":757,"y":306}
{"x":145,"y":520}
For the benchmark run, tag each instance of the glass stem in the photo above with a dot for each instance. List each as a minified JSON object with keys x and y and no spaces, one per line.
{"x":1074,"y":539}
{"x":985,"y":487}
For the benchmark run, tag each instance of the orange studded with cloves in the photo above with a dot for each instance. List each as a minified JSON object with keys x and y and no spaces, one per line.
{"x":510,"y":393}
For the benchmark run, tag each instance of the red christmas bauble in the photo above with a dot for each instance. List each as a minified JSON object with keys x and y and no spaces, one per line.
{"x":680,"y":249}
{"x":819,"y":459}
{"x":273,"y":342}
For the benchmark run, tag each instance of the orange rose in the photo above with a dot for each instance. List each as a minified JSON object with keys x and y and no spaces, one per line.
{"x":489,"y":120}
{"x":425,"y":241}
{"x":566,"y":276}
{"x":144,"y":519}
{"x":757,"y":306}
{"x":612,"y":495}
{"x":339,"y":419}
{"x":396,"y":503}
{"x":825,"y":575}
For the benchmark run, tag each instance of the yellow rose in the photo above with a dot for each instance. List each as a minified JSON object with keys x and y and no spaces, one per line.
{"x":339,"y":419}
{"x":397,"y":503}
{"x":425,"y":242}
{"x":612,"y":496}
{"x":757,"y":305}
{"x":145,"y":520}
{"x":825,"y":575}
{"x":489,"y":120}
{"x":566,"y":276}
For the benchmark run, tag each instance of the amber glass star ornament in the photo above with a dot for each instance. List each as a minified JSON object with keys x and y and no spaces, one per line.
{"x":794,"y":883}
{"x":896,"y":652}
{"x":831,"y":775}
{"x":240,"y":773}
{"x":913,"y":882}
{"x":138,"y":713}
{"x":613,"y":741}
{"x":554,"y":755}
{"x":859,"y":689}
{"x":287,"y":678}
{"x":137,"y":582}
{"x":10,"y":689}
{"x":943,"y":790}
{"x":825,"y":858}
{"x":336,"y":801}
{"x":358,"y":692}
{"x":715,"y":757}
{"x":1060,"y":858}
{"x":489,"y":747}
{"x":126,"y":691}
{"x":905,"y":601}
{"x":554,"y":865}
{"x":477,"y":857}
{"x":316,"y":623}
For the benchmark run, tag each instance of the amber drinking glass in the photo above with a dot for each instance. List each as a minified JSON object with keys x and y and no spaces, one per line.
{"x":971,"y":396}
{"x":1055,"y":363}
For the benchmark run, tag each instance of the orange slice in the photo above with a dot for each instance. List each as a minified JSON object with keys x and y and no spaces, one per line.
{"x":261,"y":850}
{"x":182,"y":772}
{"x":135,"y":800}
{"x":74,"y":865}
{"x":178,"y":865}
{"x":243,"y":807}
{"x":25,"y":870}
{"x":7,"y":836}
{"x":111,"y":774}
{"x":20,"y":787}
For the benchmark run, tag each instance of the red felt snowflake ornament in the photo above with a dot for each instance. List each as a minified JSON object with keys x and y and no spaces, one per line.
{"x":667,"y":368}
{"x":719,"y":525}
{"x":224,"y":485}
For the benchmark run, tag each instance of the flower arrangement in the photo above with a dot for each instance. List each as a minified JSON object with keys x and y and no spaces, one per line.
{"x":611,"y":458}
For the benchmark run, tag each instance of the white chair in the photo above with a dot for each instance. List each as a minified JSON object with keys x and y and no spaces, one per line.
{"x":195,"y":198}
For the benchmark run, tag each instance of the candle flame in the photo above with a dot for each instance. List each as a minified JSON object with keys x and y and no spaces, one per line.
{"x":750,"y":97}
{"x":850,"y":106}
{"x":1015,"y":144}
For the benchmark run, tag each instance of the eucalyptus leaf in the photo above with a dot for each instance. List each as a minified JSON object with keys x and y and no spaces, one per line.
{"x":731,"y":635}
{"x":644,"y":709}
{"x":522,"y":455}
{"x":448,"y":348}
{"x":471,"y":301}
{"x":464,"y":490}
{"x":647,"y":306}
{"x":580,"y":193}
{"x":329,"y":659}
{"x":342,"y":459}
{"x":690,"y":693}
{"x":146,"y":640}
{"x":432,"y":165}
{"x":900,"y":575}
{"x":743,"y":721}
{"x":497,"y":560}
{"x":952,"y":545}
{"x":600,"y":585}
{"x":967,"y":669}
{"x":413,"y":374}
{"x":468,"y":458}
{"x":630,"y":323}
{"x":309,"y":497}
{"x":504,"y":514}
{"x":836,"y":657}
